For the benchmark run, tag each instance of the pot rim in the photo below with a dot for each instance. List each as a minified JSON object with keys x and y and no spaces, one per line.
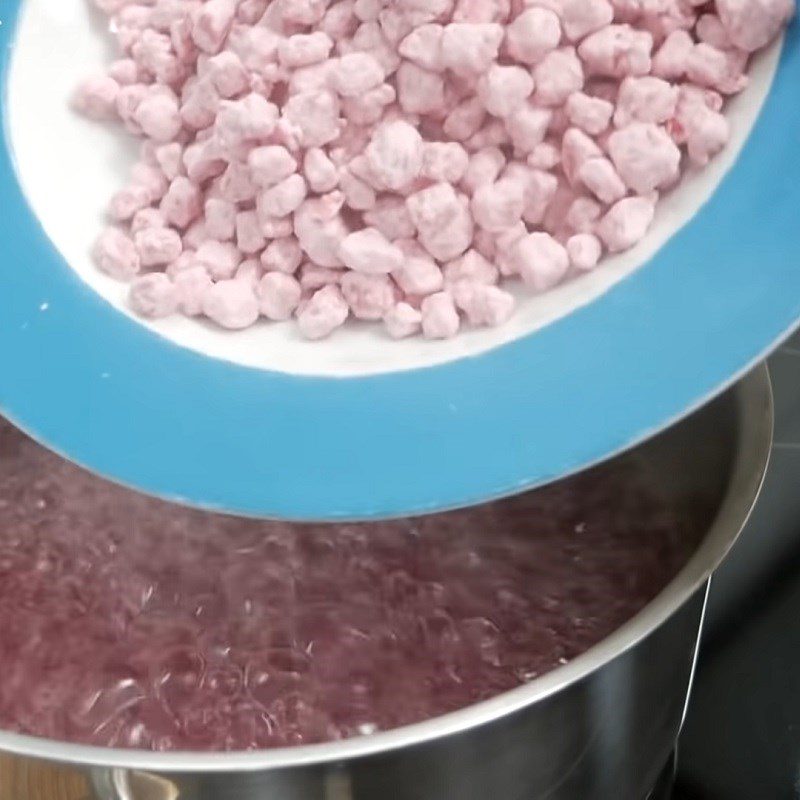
{"x":754,"y":404}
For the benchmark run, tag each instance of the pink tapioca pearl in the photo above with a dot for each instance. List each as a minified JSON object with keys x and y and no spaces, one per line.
{"x":199,"y":103}
{"x":303,"y":49}
{"x":442,"y":219}
{"x":251,"y":11}
{"x":369,"y":108}
{"x":153,"y":53}
{"x":115,"y":254}
{"x":710,"y":30}
{"x":340,"y":21}
{"x":626,"y":223}
{"x":666,"y":16}
{"x":270,"y":165}
{"x":483,"y":168}
{"x":576,"y":148}
{"x":645,"y":99}
{"x":600,"y":177}
{"x":250,"y":235}
{"x":124,"y":71}
{"x":320,"y":229}
{"x":195,"y":235}
{"x":220,"y":218}
{"x":227,"y":74}
{"x":395,"y":154}
{"x":355,"y":73}
{"x":419,"y":273}
{"x":390,"y":216}
{"x":498,"y":205}
{"x":617,"y":51}
{"x":278,"y":295}
{"x":170,"y":159}
{"x":527,"y":126}
{"x":358,"y":194}
{"x":440,"y":318}
{"x":369,"y":38}
{"x":492,"y":134}
{"x":151,"y":179}
{"x":158,"y":246}
{"x":703,"y":129}
{"x":485,"y":305}
{"x":419,"y":91}
{"x":540,"y":260}
{"x":313,"y":277}
{"x":369,"y":296}
{"x":584,"y":251}
{"x":671,"y":59}
{"x":182,"y":203}
{"x":212,"y":24}
{"x":472,"y":267}
{"x":504,"y":244}
{"x":582,"y":17}
{"x":367,"y":10}
{"x":126,"y":202}
{"x":465,"y":119}
{"x":316,"y":116}
{"x":544,"y":156}
{"x":321,"y":174}
{"x":231,"y":304}
{"x":540,"y":187}
{"x":402,"y":321}
{"x":128,"y":100}
{"x":326,"y":311}
{"x":282,"y":255}
{"x":158,"y":116}
{"x":469,"y":47}
{"x":582,"y":215}
{"x":557,"y":76}
{"x":591,"y":114}
{"x":481,"y":10}
{"x":503,"y":90}
{"x":302,"y":12}
{"x":249,"y":119}
{"x":645,"y":156}
{"x":236,"y":183}
{"x":147,"y":218}
{"x":96,"y":98}
{"x":394,"y":24}
{"x":282,"y":199}
{"x":423,"y":46}
{"x":716,"y":69}
{"x":752,"y":24}
{"x":370,"y":252}
{"x":249,"y":271}
{"x":276,"y":228}
{"x":444,"y":161}
{"x":219,"y":259}
{"x":257,"y":47}
{"x":202,"y":162}
{"x":153,"y":296}
{"x":532,"y":35}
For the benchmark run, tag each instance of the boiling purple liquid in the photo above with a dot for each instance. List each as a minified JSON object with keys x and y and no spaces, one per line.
{"x":131,"y":622}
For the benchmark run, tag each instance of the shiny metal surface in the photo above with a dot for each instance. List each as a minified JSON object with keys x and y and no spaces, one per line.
{"x":598,"y":728}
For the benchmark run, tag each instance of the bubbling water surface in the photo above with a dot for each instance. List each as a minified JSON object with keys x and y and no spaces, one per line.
{"x":131,"y":622}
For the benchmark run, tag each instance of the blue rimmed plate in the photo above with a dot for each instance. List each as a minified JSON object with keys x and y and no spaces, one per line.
{"x":260,"y":422}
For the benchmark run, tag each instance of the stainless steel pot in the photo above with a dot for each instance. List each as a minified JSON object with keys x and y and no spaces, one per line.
{"x":598,"y":728}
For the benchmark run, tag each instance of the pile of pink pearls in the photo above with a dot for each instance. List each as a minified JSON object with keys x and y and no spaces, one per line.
{"x":397,"y":159}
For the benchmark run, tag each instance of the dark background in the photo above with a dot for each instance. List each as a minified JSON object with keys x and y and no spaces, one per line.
{"x":741,"y":739}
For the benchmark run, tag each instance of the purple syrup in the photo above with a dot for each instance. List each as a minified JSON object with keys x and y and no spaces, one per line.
{"x":127,"y":621}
